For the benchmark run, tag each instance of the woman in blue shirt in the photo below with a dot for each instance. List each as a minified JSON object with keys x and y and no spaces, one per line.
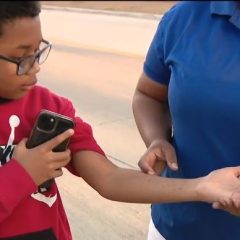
{"x":187,"y":107}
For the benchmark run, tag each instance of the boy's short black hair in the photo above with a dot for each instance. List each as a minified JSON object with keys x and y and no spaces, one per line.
{"x":11,"y":10}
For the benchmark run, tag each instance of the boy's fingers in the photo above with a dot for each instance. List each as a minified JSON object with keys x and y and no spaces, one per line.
{"x":58,"y":139}
{"x":23,"y":142}
{"x":57,"y":173}
{"x":60,"y":164}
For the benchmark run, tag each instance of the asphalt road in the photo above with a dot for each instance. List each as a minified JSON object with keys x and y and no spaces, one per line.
{"x":96,"y":61}
{"x":90,"y":29}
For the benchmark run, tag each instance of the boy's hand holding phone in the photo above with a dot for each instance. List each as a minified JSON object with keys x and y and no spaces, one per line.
{"x":41,"y":162}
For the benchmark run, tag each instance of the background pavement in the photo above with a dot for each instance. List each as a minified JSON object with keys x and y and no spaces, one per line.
{"x":152,"y":7}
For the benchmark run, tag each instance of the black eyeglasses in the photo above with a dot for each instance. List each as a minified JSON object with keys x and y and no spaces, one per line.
{"x":24,"y":64}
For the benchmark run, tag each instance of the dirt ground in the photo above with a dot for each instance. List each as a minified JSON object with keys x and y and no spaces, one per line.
{"x":156,"y":7}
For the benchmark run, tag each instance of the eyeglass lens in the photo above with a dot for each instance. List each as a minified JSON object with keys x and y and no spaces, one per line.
{"x":27,"y":63}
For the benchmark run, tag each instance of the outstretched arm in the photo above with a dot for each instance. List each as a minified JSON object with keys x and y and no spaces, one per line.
{"x":127,"y":185}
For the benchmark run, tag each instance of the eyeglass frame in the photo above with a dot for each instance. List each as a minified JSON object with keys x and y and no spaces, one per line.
{"x":36,"y":56}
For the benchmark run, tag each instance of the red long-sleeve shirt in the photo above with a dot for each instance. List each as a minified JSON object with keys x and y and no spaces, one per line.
{"x":24,"y":211}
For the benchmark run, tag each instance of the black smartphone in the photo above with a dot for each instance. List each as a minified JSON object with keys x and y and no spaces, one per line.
{"x":47,"y":126}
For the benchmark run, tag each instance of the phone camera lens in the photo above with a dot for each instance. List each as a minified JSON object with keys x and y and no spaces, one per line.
{"x":46,"y":123}
{"x":52,"y":120}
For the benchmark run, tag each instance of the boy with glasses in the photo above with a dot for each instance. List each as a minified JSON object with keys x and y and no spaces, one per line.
{"x":26,"y":213}
{"x":24,"y":64}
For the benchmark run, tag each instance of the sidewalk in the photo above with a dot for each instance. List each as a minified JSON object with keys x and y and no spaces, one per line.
{"x":121,"y":33}
{"x":106,"y":12}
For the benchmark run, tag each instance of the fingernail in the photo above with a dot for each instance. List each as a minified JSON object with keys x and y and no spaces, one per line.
{"x":174,"y":165}
{"x":71,"y":131}
{"x":151,"y":172}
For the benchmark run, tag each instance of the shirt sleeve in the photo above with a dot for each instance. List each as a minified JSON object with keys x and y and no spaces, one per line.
{"x":83,"y":138}
{"x":154,"y":65}
{"x":16,"y":185}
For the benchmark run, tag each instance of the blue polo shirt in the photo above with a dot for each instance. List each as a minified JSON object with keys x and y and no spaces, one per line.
{"x":196,"y":52}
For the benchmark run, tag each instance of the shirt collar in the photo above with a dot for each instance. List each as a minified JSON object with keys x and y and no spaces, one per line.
{"x":227,"y":8}
{"x":223,"y":7}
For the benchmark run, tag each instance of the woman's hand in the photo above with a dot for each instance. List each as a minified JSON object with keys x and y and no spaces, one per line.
{"x":222,"y":188}
{"x":231,"y":205}
{"x":159,"y":154}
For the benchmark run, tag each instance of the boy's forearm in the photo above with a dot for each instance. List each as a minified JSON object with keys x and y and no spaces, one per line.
{"x":133,"y":186}
{"x":126,"y":185}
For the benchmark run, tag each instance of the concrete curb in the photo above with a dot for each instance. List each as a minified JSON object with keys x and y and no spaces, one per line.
{"x":106,"y":12}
